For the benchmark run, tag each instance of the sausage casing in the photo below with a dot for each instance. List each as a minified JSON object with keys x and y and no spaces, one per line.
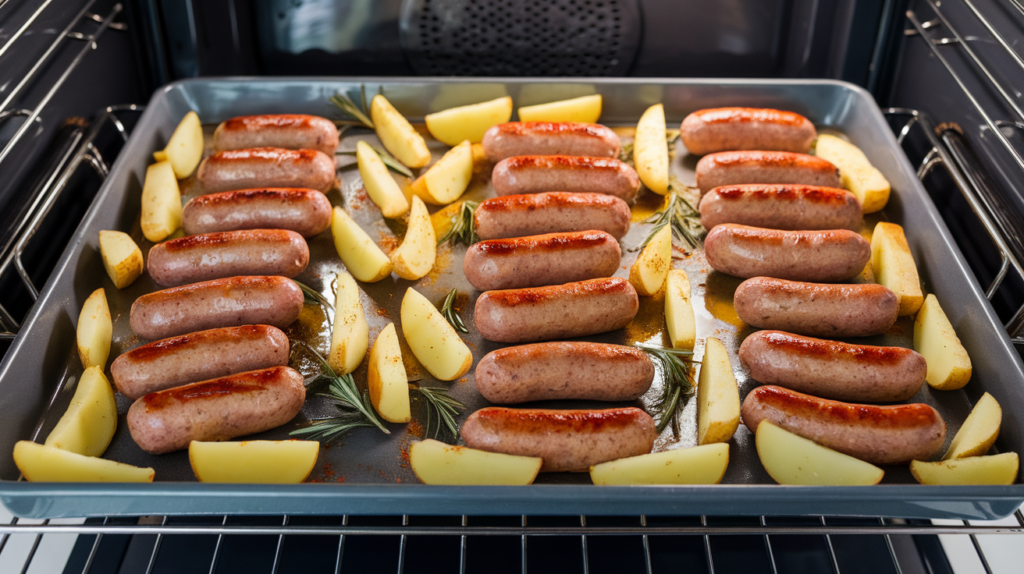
{"x":549,"y":212}
{"x":266,"y":167}
{"x":781,"y":206}
{"x":288,"y":131}
{"x":826,"y":256}
{"x":725,"y":129}
{"x":738,"y":167}
{"x":537,"y":260}
{"x":540,"y":173}
{"x":549,"y":138}
{"x":304,"y":211}
{"x":228,"y":254}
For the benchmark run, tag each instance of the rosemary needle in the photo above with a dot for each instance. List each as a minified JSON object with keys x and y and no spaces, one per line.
{"x":350,"y":108}
{"x":684,"y":218}
{"x":311,"y":296}
{"x":441,"y":405}
{"x":679,"y":384}
{"x":463,"y":228}
{"x":450,"y":314}
{"x":388,"y":159}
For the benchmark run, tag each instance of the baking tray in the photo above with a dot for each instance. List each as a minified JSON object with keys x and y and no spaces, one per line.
{"x":367,"y":472}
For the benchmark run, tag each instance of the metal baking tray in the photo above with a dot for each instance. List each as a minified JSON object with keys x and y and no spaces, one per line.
{"x":367,"y":472}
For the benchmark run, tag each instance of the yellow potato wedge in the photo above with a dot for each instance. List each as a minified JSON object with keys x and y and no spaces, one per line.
{"x":89,"y":423}
{"x":122,"y":257}
{"x":650,"y":150}
{"x":718,"y":395}
{"x":439,"y":463}
{"x":975,"y":470}
{"x":41,"y":463}
{"x":793,"y":459}
{"x":949,"y":366}
{"x":161,"y":202}
{"x":94,"y":331}
{"x":387,"y":381}
{"x":703,"y":464}
{"x":468,"y":122}
{"x":397,"y":134}
{"x":380,"y":186}
{"x":415,"y":257}
{"x":185,"y":148}
{"x":160,"y":155}
{"x":651,"y":267}
{"x":979,"y":432}
{"x":253,"y":461}
{"x":893,"y":266}
{"x":435,"y":343}
{"x":585,"y":109}
{"x":682,"y":328}
{"x":855,"y":171}
{"x":364,"y":260}
{"x":350,"y":334}
{"x":447,"y":179}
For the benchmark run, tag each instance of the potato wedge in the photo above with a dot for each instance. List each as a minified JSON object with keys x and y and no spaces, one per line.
{"x":703,"y":464}
{"x":415,"y":257}
{"x":650,"y":150}
{"x":350,"y":334}
{"x":682,"y":328}
{"x":855,"y":171}
{"x":185,"y":148}
{"x":41,"y":463}
{"x":979,"y":432}
{"x":397,"y":134}
{"x":651,"y":267}
{"x":439,"y":463}
{"x":468,"y":122}
{"x":161,"y":202}
{"x":94,"y":331}
{"x":122,"y":257}
{"x":435,"y":343}
{"x":949,"y":366}
{"x":793,"y":459}
{"x":585,"y":109}
{"x":380,"y":186}
{"x":160,"y":155}
{"x":447,"y":179}
{"x":893,"y":266}
{"x":975,"y":470}
{"x":253,"y":461}
{"x":89,"y":423}
{"x":364,"y":260}
{"x":718,"y":395}
{"x":387,"y":381}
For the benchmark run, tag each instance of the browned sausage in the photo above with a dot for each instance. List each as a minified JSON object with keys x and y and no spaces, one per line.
{"x":228,"y":254}
{"x":822,"y":256}
{"x":549,"y":138}
{"x":266,"y":167}
{"x":537,"y":213}
{"x":197,"y":357}
{"x":734,"y":167}
{"x":304,"y":211}
{"x":230,"y":302}
{"x":726,"y":129}
{"x":816,"y":309}
{"x":880,"y":435}
{"x":288,"y":131}
{"x":568,"y":441}
{"x":540,"y":173}
{"x":831,"y":369}
{"x":218,"y":409}
{"x":781,"y":206}
{"x":564,"y":370}
{"x":557,"y":311}
{"x":539,"y":260}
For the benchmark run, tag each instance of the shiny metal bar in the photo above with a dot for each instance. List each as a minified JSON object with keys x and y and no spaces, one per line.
{"x":156,"y":549}
{"x":523,"y":525}
{"x":892,"y":550}
{"x":401,"y":546}
{"x":995,"y":33}
{"x":707,"y":545}
{"x":280,"y":544}
{"x":583,"y":543}
{"x":32,"y":553}
{"x":341,"y":546}
{"x":462,"y":547}
{"x":768,"y":549}
{"x":647,"y":547}
{"x":220,"y":541}
{"x":24,"y":27}
{"x":831,"y":549}
{"x":95,"y":548}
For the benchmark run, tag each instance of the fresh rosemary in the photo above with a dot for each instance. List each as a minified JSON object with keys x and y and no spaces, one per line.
{"x":388,"y":159}
{"x":463,"y":229}
{"x":442,"y":406}
{"x":680,"y":213}
{"x":311,"y":296}
{"x":679,"y":384}
{"x":450,"y":314}
{"x":362,"y":118}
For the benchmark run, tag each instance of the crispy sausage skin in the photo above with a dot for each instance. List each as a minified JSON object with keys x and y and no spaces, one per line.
{"x":738,"y":167}
{"x":197,"y":357}
{"x":266,"y":167}
{"x":564,"y":370}
{"x":288,"y":131}
{"x":549,"y":138}
{"x":781,"y":206}
{"x":567,"y":440}
{"x":228,"y":254}
{"x":557,"y":311}
{"x":231,"y":302}
{"x":539,"y":213}
{"x":823,"y":256}
{"x":538,"y":260}
{"x":816,"y":309}
{"x":218,"y":409}
{"x":831,"y":369}
{"x":304,"y":211}
{"x":726,"y":129}
{"x":880,"y":435}
{"x":540,"y":173}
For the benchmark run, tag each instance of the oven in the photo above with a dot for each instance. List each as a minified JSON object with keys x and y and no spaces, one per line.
{"x":74,"y":78}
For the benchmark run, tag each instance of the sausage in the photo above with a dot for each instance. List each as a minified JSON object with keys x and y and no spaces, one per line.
{"x":557,"y":311}
{"x":733,"y":167}
{"x":230,"y":302}
{"x":781,"y":206}
{"x":827,"y":256}
{"x":228,"y":254}
{"x":304,"y":211}
{"x":816,"y":309}
{"x":218,"y":409}
{"x":197,"y":357}
{"x":538,"y":213}
{"x":288,"y":131}
{"x":538,"y":260}
{"x":831,"y":369}
{"x":540,"y":173}
{"x":550,"y":138}
{"x":568,"y":441}
{"x":564,"y":370}
{"x":894,"y":434}
{"x":725,"y":129}
{"x":266,"y":167}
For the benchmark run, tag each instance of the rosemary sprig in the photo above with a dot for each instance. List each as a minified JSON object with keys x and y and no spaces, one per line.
{"x":679,"y":384}
{"x":311,"y":296}
{"x":388,"y":159}
{"x":684,"y":218}
{"x":350,"y":108}
{"x":626,"y":151}
{"x":450,"y":314}
{"x":463,"y":229}
{"x":441,"y":405}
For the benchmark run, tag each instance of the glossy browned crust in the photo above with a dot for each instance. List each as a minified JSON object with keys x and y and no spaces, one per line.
{"x":538,"y":213}
{"x":781,"y":206}
{"x":228,"y":254}
{"x":549,"y":138}
{"x":292,"y":131}
{"x":724,"y":129}
{"x":305,"y":211}
{"x":760,"y":166}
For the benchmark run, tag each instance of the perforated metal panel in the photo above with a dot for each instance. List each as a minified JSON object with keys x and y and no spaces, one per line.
{"x":520,"y":37}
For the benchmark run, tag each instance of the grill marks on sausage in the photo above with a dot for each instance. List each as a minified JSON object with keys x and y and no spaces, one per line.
{"x":835,"y":349}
